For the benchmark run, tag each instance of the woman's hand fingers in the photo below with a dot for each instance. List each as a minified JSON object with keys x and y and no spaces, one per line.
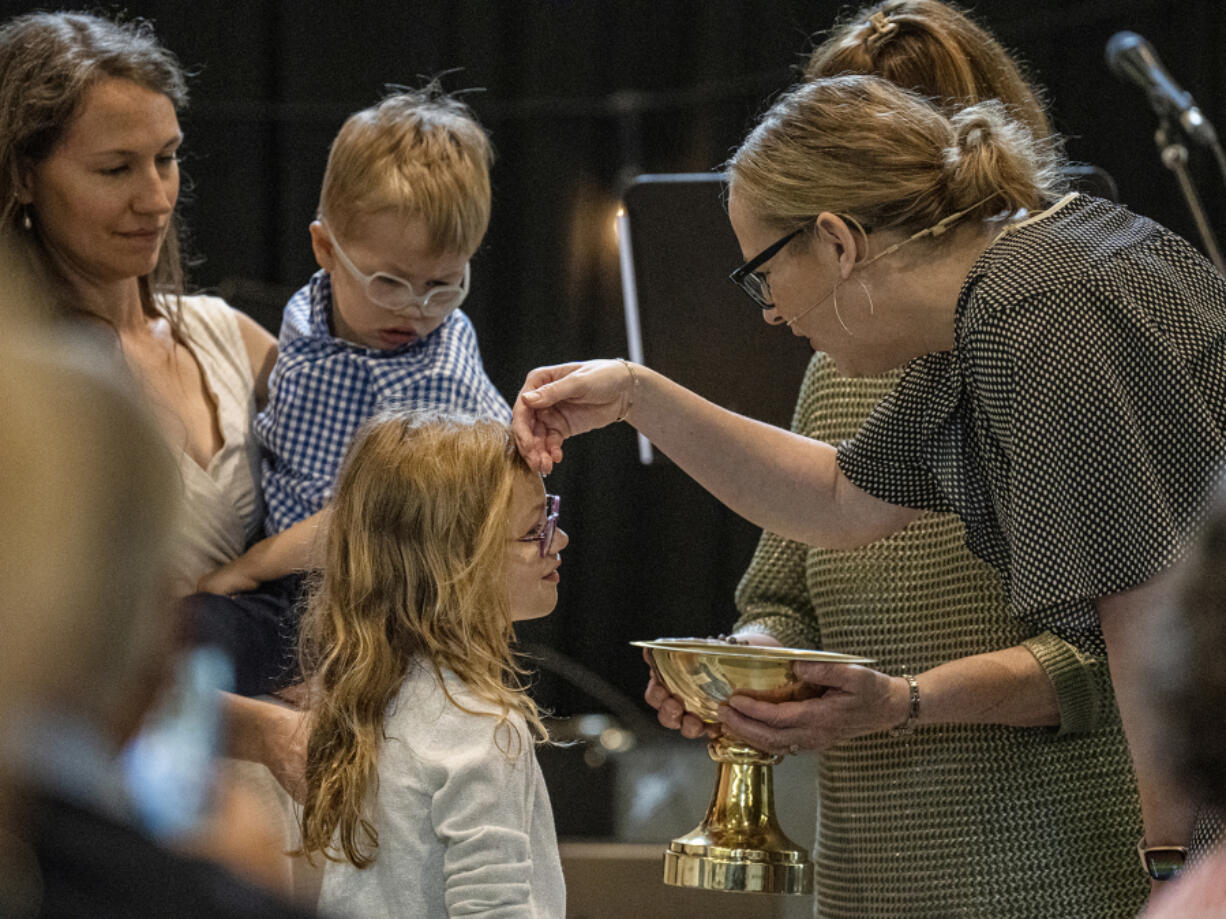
{"x":844,"y":677}
{"x":287,"y":738}
{"x":671,"y":713}
{"x":562,"y":401}
{"x":772,"y":727}
{"x":228,"y":579}
{"x":532,"y":435}
{"x":856,"y":701}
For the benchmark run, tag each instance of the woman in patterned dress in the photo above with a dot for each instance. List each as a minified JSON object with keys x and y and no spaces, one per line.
{"x":890,"y":838}
{"x":1064,"y":395}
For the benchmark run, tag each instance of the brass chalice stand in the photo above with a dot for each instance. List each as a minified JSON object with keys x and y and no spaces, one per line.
{"x":739,"y":845}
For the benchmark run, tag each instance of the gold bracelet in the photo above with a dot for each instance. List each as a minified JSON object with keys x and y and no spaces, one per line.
{"x":902,"y":730}
{"x":634,"y":388}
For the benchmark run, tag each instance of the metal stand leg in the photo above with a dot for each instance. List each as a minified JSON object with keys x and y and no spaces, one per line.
{"x":1174,"y":153}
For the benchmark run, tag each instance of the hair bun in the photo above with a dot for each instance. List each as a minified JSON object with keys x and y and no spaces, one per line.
{"x":993,"y":156}
{"x":975,"y":129}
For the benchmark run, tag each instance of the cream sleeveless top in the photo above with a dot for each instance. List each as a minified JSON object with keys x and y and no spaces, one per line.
{"x":222,"y":508}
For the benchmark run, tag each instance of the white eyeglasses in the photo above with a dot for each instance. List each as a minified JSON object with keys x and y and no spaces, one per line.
{"x":398,"y":296}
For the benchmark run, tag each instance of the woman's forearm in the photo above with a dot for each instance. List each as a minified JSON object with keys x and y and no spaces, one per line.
{"x":783,"y":482}
{"x":1000,"y":687}
{"x":268,"y":733}
{"x":296,"y":548}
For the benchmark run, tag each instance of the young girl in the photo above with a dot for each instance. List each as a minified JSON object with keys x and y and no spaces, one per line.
{"x":423,"y":790}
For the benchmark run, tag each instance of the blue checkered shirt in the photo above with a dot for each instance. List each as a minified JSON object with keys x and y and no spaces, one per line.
{"x":323,"y":388}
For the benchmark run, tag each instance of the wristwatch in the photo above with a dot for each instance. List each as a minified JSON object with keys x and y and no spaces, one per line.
{"x":1161,"y":862}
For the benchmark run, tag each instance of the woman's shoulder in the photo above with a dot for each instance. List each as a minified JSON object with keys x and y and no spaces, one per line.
{"x":224,"y":333}
{"x":1057,"y":250}
{"x":203,"y":309}
{"x":204,"y":320}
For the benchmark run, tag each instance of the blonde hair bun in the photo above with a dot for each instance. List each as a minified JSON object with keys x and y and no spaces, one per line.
{"x":992,"y":156}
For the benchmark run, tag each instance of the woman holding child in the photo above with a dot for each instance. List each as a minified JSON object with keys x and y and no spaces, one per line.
{"x":90,"y":180}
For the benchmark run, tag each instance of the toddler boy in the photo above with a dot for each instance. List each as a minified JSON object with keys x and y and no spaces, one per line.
{"x":404,"y":206}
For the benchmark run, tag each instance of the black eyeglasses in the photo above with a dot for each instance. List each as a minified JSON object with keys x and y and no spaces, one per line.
{"x":755,"y":284}
{"x":545,"y":537}
{"x":751,"y":281}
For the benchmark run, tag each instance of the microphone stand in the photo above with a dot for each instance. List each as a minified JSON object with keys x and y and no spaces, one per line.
{"x":1174,"y":154}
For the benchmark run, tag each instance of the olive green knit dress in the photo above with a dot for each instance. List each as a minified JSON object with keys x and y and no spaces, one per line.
{"x":953,"y":820}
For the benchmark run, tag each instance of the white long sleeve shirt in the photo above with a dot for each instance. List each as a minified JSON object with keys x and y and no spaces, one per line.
{"x":463,"y":830}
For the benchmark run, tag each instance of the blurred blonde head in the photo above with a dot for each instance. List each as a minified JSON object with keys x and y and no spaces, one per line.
{"x":416,"y":553}
{"x":420,"y":154}
{"x":88,"y":498}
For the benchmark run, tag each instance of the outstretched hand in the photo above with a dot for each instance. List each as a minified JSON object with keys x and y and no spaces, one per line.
{"x":856,"y":701}
{"x":288,"y":732}
{"x":565,"y":400}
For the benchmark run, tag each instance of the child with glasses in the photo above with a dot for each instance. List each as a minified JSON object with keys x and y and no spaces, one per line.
{"x":404,"y":206}
{"x":422,"y":787}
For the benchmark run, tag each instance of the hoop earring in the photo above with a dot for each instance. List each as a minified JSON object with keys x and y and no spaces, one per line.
{"x":868,"y":293}
{"x":837,"y":316}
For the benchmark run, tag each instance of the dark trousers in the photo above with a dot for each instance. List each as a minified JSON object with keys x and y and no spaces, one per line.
{"x":257,"y":628}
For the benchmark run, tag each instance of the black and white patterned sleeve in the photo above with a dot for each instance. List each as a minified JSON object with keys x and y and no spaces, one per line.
{"x":1108,"y":438}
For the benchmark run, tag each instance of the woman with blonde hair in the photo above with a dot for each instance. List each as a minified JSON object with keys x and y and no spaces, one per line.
{"x":919,"y":602}
{"x":422,"y":787}
{"x":1064,"y":394}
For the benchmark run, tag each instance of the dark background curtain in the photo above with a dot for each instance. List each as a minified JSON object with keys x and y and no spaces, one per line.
{"x":580,"y":95}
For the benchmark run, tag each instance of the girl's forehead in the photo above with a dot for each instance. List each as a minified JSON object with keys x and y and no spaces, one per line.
{"x":527,"y":492}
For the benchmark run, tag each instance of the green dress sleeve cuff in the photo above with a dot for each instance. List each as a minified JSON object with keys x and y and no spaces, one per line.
{"x":1077,"y":680}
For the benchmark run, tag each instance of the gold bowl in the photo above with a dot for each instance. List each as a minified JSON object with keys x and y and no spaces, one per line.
{"x":739,"y":845}
{"x":705,"y":672}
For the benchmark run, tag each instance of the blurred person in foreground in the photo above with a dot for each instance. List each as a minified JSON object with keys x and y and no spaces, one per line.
{"x":1188,"y":669}
{"x":88,"y":499}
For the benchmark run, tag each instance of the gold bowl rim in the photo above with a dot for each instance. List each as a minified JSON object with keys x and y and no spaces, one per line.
{"x":715,"y":647}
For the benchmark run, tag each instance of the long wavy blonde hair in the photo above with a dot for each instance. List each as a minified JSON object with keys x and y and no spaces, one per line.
{"x":414,"y":569}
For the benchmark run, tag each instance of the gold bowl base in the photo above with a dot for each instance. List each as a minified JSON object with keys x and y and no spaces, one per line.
{"x":749,"y":871}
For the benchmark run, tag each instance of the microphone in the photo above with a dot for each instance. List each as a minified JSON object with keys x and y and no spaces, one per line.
{"x":1132,"y":58}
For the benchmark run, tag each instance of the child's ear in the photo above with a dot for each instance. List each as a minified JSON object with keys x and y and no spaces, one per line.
{"x":321,"y":245}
